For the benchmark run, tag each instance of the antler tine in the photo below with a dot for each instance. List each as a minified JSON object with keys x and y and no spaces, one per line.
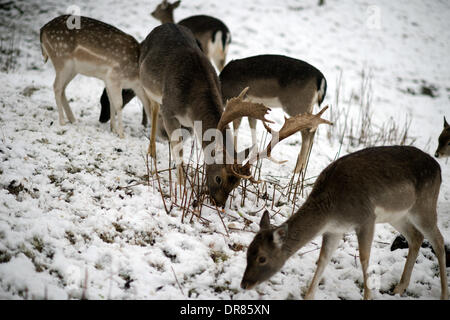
{"x":237,"y":108}
{"x":290,"y":126}
{"x":244,"y":176}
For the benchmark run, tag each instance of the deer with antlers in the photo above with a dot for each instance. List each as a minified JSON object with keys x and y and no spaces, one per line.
{"x":94,"y":49}
{"x":189,"y":92}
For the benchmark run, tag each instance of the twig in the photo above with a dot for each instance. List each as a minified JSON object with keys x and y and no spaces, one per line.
{"x":176,"y":279}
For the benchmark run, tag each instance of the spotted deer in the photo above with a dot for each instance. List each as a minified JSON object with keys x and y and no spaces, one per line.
{"x":279,"y":82}
{"x":397,"y":185}
{"x":95,"y":49}
{"x":443,"y":149}
{"x":212,"y":34}
{"x":189,"y":92}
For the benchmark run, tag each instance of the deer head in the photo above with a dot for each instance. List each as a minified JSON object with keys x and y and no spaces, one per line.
{"x":443,"y":149}
{"x":222,"y":179}
{"x":164,"y":11}
{"x":265,"y":255}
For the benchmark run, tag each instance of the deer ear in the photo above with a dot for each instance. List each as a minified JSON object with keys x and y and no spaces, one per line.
{"x":279,"y":235}
{"x":446,"y":125}
{"x":176,"y":4}
{"x":265,"y":221}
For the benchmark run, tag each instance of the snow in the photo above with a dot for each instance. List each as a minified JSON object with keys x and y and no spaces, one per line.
{"x":68,"y":222}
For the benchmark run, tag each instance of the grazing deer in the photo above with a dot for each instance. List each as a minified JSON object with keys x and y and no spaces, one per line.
{"x":443,"y":149}
{"x":214,"y":39}
{"x":397,"y":185}
{"x":95,"y":49}
{"x":190,"y":91}
{"x":278,"y":82}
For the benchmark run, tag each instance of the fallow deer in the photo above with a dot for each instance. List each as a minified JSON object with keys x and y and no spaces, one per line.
{"x":213,"y":35}
{"x":190,"y":91}
{"x":443,"y":149}
{"x":278,"y":82}
{"x":214,"y":39}
{"x":397,"y":185}
{"x":94,"y":49}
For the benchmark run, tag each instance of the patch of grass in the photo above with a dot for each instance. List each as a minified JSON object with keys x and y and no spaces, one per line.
{"x":106,"y":237}
{"x":128,"y":280}
{"x":73,"y":170}
{"x":172,"y":257}
{"x":118,"y":227}
{"x":43,"y":141}
{"x":236,"y":247}
{"x":4,"y":256}
{"x":192,"y":293}
{"x":14,"y":188}
{"x":37,"y":244}
{"x":218,"y":256}
{"x":61,"y":132}
{"x":71,"y":237}
{"x":28,"y":91}
{"x":143,"y":238}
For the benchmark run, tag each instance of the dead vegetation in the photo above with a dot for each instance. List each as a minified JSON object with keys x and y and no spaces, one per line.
{"x":353,"y":119}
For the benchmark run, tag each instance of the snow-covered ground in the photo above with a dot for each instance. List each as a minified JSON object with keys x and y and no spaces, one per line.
{"x":65,"y":218}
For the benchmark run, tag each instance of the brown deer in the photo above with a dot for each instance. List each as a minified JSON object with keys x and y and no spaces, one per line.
{"x":278,"y":82}
{"x":214,"y":39}
{"x":397,"y":185}
{"x":443,"y":149}
{"x":189,"y":92}
{"x":95,"y":49}
{"x":213,"y":35}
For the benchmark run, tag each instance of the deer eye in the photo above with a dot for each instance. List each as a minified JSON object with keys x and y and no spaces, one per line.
{"x":218,"y":179}
{"x":262,"y":260}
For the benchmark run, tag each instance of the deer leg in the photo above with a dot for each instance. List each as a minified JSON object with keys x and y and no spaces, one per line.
{"x":114,"y":92}
{"x":330,"y":242}
{"x":437,"y":242}
{"x":252,"y":124}
{"x":414,"y":238}
{"x":174,"y":131}
{"x":303,"y":156}
{"x":154,"y":119}
{"x":365,"y":238}
{"x":426,"y":223}
{"x":62,"y":79}
{"x":147,"y":104}
{"x":236,"y":125}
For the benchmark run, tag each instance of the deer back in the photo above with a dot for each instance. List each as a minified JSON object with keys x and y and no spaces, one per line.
{"x":391,"y":177}
{"x":93,"y":41}
{"x":295,"y":84}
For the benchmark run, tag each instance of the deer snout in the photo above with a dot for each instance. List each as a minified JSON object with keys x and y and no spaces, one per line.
{"x":218,"y":202}
{"x":247,"y":285}
{"x":436,"y":154}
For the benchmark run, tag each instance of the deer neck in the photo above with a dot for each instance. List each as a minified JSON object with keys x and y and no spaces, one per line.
{"x":168,"y":18}
{"x":305,"y":225}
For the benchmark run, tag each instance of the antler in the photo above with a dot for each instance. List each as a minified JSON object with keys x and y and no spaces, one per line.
{"x":290,"y":126}
{"x":237,"y":108}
